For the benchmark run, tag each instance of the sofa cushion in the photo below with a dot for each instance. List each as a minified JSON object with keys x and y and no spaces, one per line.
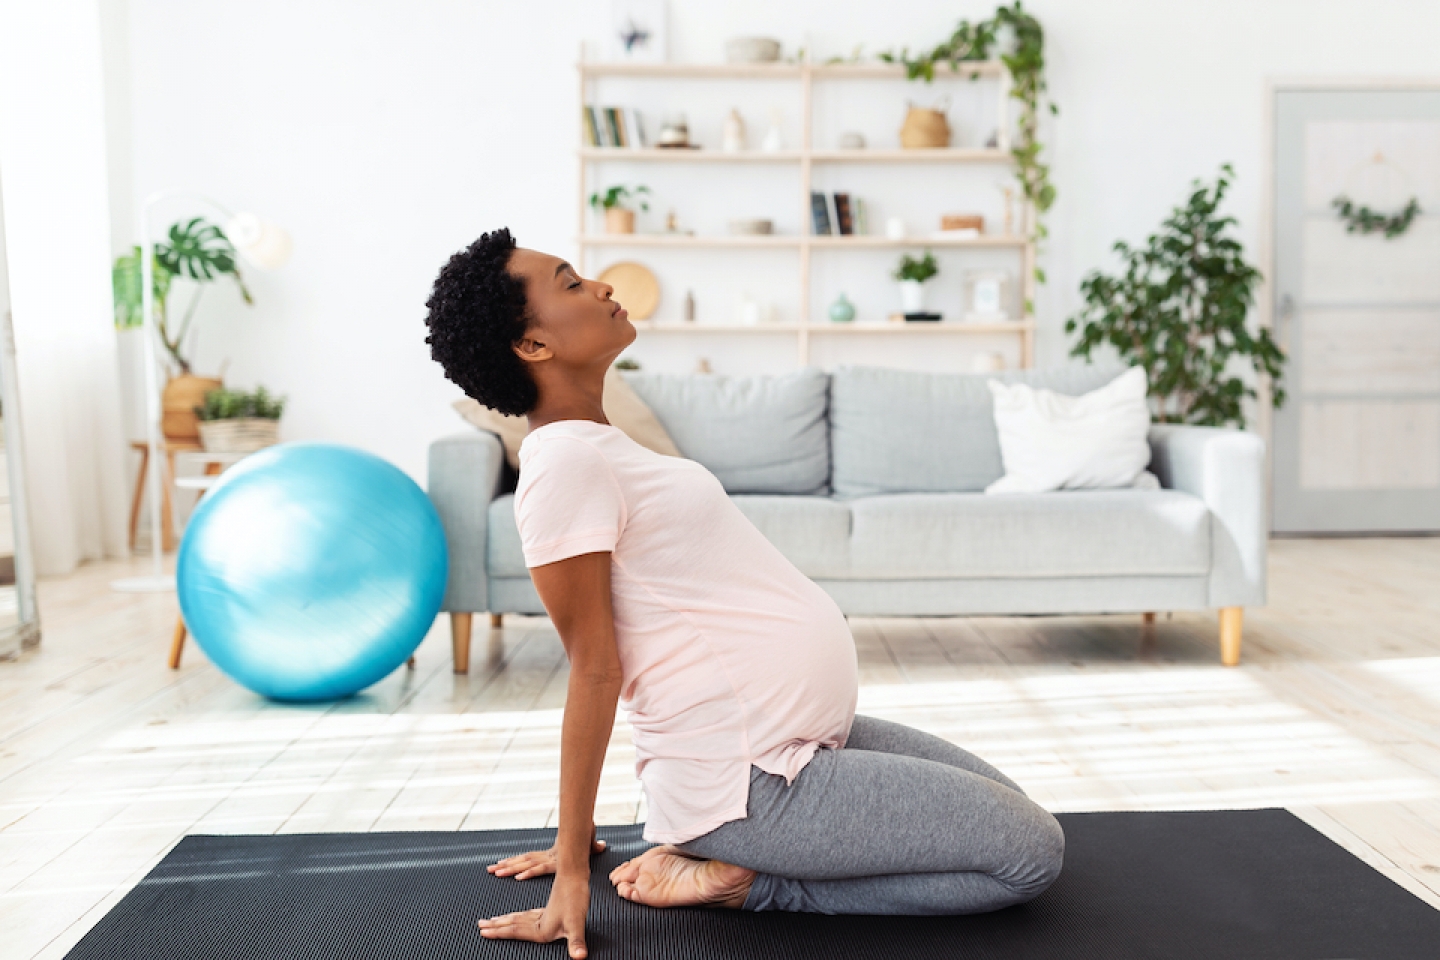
{"x":757,"y":434}
{"x":899,"y":431}
{"x":1082,"y":533}
{"x":812,"y":532}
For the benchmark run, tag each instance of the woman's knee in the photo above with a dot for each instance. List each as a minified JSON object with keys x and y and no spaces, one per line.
{"x":1044,"y":858}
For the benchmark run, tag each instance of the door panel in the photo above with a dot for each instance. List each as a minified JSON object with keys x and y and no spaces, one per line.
{"x":1357,"y":445}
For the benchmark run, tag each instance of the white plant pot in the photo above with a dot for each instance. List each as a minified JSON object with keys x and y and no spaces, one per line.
{"x":912,"y":296}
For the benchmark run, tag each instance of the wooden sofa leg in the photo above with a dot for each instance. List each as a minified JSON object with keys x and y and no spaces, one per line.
{"x":496,"y":621}
{"x":460,"y":640}
{"x":1232,"y":620}
{"x":1148,"y":619}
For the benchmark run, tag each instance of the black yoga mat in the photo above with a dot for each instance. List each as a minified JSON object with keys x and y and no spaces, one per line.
{"x":1215,"y":885}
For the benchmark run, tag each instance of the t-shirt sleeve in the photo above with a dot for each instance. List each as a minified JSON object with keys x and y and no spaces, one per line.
{"x":567,"y":503}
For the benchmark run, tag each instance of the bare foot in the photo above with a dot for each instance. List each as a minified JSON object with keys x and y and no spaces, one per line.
{"x":665,"y":877}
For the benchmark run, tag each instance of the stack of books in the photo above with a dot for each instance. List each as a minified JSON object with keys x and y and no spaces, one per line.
{"x":837,"y":214}
{"x":614,"y":127}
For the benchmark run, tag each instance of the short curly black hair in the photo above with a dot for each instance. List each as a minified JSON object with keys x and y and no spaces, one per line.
{"x":477,"y":310}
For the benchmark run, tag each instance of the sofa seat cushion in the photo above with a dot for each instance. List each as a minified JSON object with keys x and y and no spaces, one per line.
{"x":812,"y":532}
{"x":757,"y":434}
{"x":503,"y":556}
{"x":1082,"y":533}
{"x":905,"y":431}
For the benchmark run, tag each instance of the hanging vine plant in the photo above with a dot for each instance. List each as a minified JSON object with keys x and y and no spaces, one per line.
{"x":1364,"y":220}
{"x":1026,"y":63}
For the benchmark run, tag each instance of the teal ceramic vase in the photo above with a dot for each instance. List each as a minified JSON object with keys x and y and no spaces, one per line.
{"x":842,"y":310}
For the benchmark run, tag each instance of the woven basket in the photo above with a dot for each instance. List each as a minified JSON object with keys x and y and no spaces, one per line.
{"x":924,"y":129}
{"x":239,"y":434}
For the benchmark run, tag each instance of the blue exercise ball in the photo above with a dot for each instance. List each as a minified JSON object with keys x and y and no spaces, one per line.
{"x":309,"y":571}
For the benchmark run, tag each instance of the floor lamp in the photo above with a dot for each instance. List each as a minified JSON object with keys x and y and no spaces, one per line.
{"x":263,"y":244}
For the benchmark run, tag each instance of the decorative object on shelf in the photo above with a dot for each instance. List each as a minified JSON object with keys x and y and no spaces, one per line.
{"x":702,"y":365}
{"x":690,"y":306}
{"x":1364,"y":220}
{"x":1178,"y":309}
{"x":752,"y":50}
{"x":750,"y":312}
{"x":636,"y":288}
{"x":674,"y":133}
{"x":925,"y":128}
{"x":842,"y":310}
{"x":913,"y":274}
{"x":774,"y":142}
{"x":990,"y":361}
{"x":732,"y":138}
{"x":672,"y":226}
{"x":895,"y":228}
{"x":1026,"y":62}
{"x":639,"y":30}
{"x":922,"y":316}
{"x":618,"y":217}
{"x":626,"y":363}
{"x":986,"y":293}
{"x":233,"y":421}
{"x":1007,"y":190}
{"x":951,"y":222}
{"x":851,"y":140}
{"x":752,"y":227}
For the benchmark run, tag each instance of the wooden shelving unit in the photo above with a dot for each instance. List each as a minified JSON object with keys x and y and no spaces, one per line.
{"x":807,"y":245}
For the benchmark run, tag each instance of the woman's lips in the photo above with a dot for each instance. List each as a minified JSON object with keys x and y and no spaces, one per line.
{"x":620,"y":312}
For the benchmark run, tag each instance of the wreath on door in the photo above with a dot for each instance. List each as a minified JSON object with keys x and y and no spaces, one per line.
{"x":1361,"y":219}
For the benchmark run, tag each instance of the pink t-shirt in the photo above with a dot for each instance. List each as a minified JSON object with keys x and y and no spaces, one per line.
{"x":731,"y":655}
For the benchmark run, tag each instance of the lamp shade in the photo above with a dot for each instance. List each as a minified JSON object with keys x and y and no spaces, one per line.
{"x":262,"y":243}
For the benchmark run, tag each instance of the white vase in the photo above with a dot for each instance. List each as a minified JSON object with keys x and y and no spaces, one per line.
{"x":912,"y":296}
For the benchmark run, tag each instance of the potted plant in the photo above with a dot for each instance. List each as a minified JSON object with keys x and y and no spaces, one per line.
{"x":619,"y":218}
{"x":233,"y":421}
{"x":1179,"y":310}
{"x":198,"y":251}
{"x":912,"y":275}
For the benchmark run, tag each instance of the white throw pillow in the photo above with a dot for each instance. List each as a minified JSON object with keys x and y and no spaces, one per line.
{"x":1049,"y":441}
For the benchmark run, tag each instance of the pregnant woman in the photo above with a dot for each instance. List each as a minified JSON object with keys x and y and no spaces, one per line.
{"x":765,"y":790}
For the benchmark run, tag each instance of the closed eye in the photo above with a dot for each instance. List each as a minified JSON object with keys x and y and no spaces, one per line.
{"x":573,"y":286}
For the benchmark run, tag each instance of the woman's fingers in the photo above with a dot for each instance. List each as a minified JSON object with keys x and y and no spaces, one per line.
{"x":514,"y":926}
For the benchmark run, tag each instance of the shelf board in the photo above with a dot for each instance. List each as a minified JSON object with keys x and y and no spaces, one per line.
{"x":656,"y":155}
{"x":741,"y":71}
{"x":853,"y":326}
{"x":665,"y":240}
{"x":937,"y":155}
{"x":784,"y":71}
{"x":869,"y":241}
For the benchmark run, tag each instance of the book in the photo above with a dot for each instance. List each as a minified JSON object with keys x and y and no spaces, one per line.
{"x":616,"y":126}
{"x":819,"y":214}
{"x":843,"y":221}
{"x":832,"y":212}
{"x":637,"y":130}
{"x":592,"y":127}
{"x":862,"y":221}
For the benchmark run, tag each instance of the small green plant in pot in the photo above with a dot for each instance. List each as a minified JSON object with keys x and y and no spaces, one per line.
{"x":913,"y":274}
{"x":233,"y":421}
{"x":1180,"y":309}
{"x":619,"y":218}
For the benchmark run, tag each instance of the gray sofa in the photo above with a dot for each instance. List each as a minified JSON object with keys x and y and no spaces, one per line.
{"x":870,"y":481}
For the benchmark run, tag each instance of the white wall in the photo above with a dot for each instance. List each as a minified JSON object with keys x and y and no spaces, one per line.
{"x":387,"y":135}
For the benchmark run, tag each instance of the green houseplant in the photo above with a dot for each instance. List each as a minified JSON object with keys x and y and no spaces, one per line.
{"x":1025,"y":59}
{"x":233,"y":421}
{"x":196,"y":250}
{"x":619,"y":218}
{"x":913,"y":274}
{"x":1179,"y":309}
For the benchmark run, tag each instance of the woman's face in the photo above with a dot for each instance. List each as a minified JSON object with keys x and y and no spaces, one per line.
{"x":573,"y":318}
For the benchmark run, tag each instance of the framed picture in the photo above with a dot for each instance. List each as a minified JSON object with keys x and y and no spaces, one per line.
{"x":638,"y":31}
{"x":987,"y":293}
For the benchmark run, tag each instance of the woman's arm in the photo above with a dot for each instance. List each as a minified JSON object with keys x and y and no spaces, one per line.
{"x":576,"y":594}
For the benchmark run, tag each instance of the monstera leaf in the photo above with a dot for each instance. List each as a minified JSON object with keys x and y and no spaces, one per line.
{"x":125,"y":278}
{"x":200,"y":250}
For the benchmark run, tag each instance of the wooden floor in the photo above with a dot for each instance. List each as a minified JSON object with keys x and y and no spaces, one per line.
{"x":107,"y":758}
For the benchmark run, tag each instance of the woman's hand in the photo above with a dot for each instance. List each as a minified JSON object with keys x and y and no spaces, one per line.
{"x":563,"y":916}
{"x":537,"y":863}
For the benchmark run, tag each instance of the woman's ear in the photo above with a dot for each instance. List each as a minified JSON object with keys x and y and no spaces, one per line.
{"x":531,"y":350}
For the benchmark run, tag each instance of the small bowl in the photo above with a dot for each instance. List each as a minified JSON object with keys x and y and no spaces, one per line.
{"x":752,"y":50}
{"x":851,"y":140}
{"x":751,"y":227}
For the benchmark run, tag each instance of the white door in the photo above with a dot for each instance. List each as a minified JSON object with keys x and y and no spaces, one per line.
{"x":1357,"y":444}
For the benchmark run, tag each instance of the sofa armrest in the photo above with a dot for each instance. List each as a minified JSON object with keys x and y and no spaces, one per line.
{"x":1226,"y":469}
{"x":464,"y":476}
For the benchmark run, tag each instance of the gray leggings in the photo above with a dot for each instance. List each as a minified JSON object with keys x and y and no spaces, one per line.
{"x":897,"y":822}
